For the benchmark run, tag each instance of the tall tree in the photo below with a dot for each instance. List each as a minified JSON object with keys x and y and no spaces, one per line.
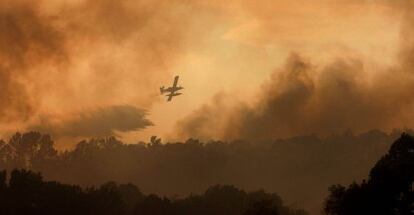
{"x":389,"y":189}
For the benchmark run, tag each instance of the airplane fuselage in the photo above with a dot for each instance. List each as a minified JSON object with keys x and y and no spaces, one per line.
{"x":172,"y":91}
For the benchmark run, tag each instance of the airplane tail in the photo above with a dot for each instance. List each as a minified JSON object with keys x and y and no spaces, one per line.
{"x":162,"y":89}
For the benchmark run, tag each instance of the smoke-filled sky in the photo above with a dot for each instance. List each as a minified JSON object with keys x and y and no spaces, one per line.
{"x":262,"y":69}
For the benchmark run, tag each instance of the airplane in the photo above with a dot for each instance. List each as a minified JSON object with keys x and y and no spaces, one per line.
{"x":172,"y":90}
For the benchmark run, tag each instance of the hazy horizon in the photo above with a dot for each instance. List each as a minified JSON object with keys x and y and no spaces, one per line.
{"x":290,"y":96}
{"x":280,"y":68}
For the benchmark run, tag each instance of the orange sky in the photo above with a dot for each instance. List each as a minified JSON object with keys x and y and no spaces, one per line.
{"x":240,"y":53}
{"x":119,"y":52}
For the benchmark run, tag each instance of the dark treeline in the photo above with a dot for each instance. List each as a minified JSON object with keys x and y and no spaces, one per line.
{"x":388,"y":190}
{"x":27,"y":193}
{"x":299,"y":169}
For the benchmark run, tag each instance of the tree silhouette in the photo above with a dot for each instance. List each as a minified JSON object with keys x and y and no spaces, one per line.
{"x":31,"y":149}
{"x":298,"y":168}
{"x":27,"y":193}
{"x":262,"y":208}
{"x":389,"y":189}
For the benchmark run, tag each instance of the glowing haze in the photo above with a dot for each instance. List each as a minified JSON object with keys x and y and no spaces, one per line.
{"x":261,"y":69}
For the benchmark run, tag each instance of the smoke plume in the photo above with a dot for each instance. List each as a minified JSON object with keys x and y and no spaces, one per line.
{"x":102,"y":122}
{"x":26,"y":37}
{"x":304,"y":98}
{"x":59,"y":57}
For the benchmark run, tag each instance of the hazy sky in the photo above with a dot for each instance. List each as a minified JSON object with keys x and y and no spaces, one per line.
{"x":85,"y":68}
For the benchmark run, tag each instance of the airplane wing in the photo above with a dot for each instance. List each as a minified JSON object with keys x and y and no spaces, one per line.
{"x":175,"y":81}
{"x":170,"y":97}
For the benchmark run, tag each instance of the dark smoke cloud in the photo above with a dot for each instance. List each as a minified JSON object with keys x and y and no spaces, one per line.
{"x":102,"y":122}
{"x":302,"y":98}
{"x":59,"y":57}
{"x":27,"y":39}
